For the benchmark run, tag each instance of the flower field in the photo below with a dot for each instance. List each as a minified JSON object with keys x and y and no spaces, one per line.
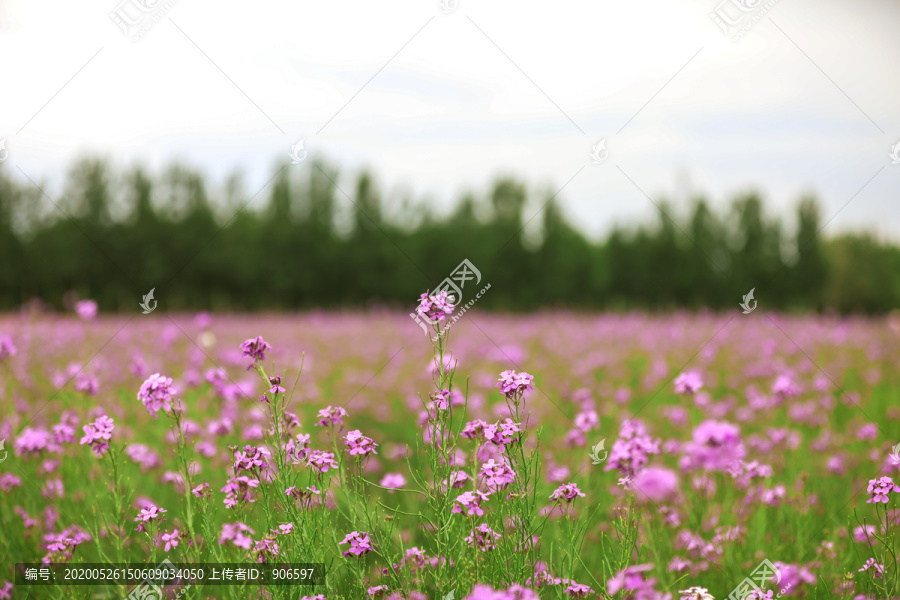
{"x":551,"y":455}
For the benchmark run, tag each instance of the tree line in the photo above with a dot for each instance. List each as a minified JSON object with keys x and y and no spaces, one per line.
{"x":309,"y":239}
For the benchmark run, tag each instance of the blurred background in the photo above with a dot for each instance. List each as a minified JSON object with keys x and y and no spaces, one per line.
{"x":151,"y":144}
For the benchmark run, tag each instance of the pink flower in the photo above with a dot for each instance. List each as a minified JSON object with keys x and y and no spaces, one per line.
{"x":171,"y":539}
{"x":149,"y":514}
{"x":880,"y":488}
{"x":156,"y":393}
{"x":716,"y":446}
{"x":483,"y":538}
{"x":655,"y":484}
{"x":6,"y":591}
{"x":470,"y":503}
{"x":567,"y":492}
{"x":255,"y":349}
{"x":435,"y":308}
{"x":877,"y":569}
{"x":514,"y":385}
{"x":97,"y":434}
{"x":86,"y":309}
{"x":331,"y":416}
{"x":7,"y":348}
{"x":497,"y":476}
{"x":359,"y":544}
{"x":359,"y":445}
{"x":393,"y":481}
{"x":321,"y":461}
{"x":235,"y":533}
{"x":688,"y":383}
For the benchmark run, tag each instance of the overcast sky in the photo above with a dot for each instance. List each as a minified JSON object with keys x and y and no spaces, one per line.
{"x":437,"y":103}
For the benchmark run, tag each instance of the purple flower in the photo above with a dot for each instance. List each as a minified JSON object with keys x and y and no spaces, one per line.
{"x":148,"y":514}
{"x":435,"y":308}
{"x":156,"y":393}
{"x":321,"y":461}
{"x":237,"y":490}
{"x":235,"y":533}
{"x":359,"y":544}
{"x":97,"y":434}
{"x":7,"y":348}
{"x":688,"y":383}
{"x":255,"y":349}
{"x":483,"y":538}
{"x":201,"y":491}
{"x":266,"y":548}
{"x":86,"y":309}
{"x":393,"y":481}
{"x":333,"y":415}
{"x":567,"y":492}
{"x":716,"y":446}
{"x":171,"y":539}
{"x":276,"y":388}
{"x":631,"y":579}
{"x":250,"y":459}
{"x":656,"y":484}
{"x":458,"y":479}
{"x":470,"y":503}
{"x":880,"y":488}
{"x":696,"y":593}
{"x":631,"y":451}
{"x":497,"y":476}
{"x":876,"y":568}
{"x":377,"y":591}
{"x":359,"y":445}
{"x":514,"y":385}
{"x":86,"y":384}
{"x":284,"y":529}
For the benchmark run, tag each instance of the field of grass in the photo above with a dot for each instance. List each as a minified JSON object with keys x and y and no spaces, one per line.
{"x":649,"y":455}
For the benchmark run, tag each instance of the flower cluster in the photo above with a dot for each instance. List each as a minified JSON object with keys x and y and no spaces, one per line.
{"x":360,"y":544}
{"x":237,"y":490}
{"x":255,"y":349}
{"x":880,"y":488}
{"x":470,"y":503}
{"x":236,"y":534}
{"x":688,"y":383}
{"x":483,"y":538}
{"x":514,"y":385}
{"x":632,"y":450}
{"x":333,"y":415}
{"x":156,"y":393}
{"x":567,"y":492}
{"x":359,"y":445}
{"x":98,"y":434}
{"x":321,"y":461}
{"x":149,"y":514}
{"x":250,"y":458}
{"x":435,"y":308}
{"x":496,"y":476}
